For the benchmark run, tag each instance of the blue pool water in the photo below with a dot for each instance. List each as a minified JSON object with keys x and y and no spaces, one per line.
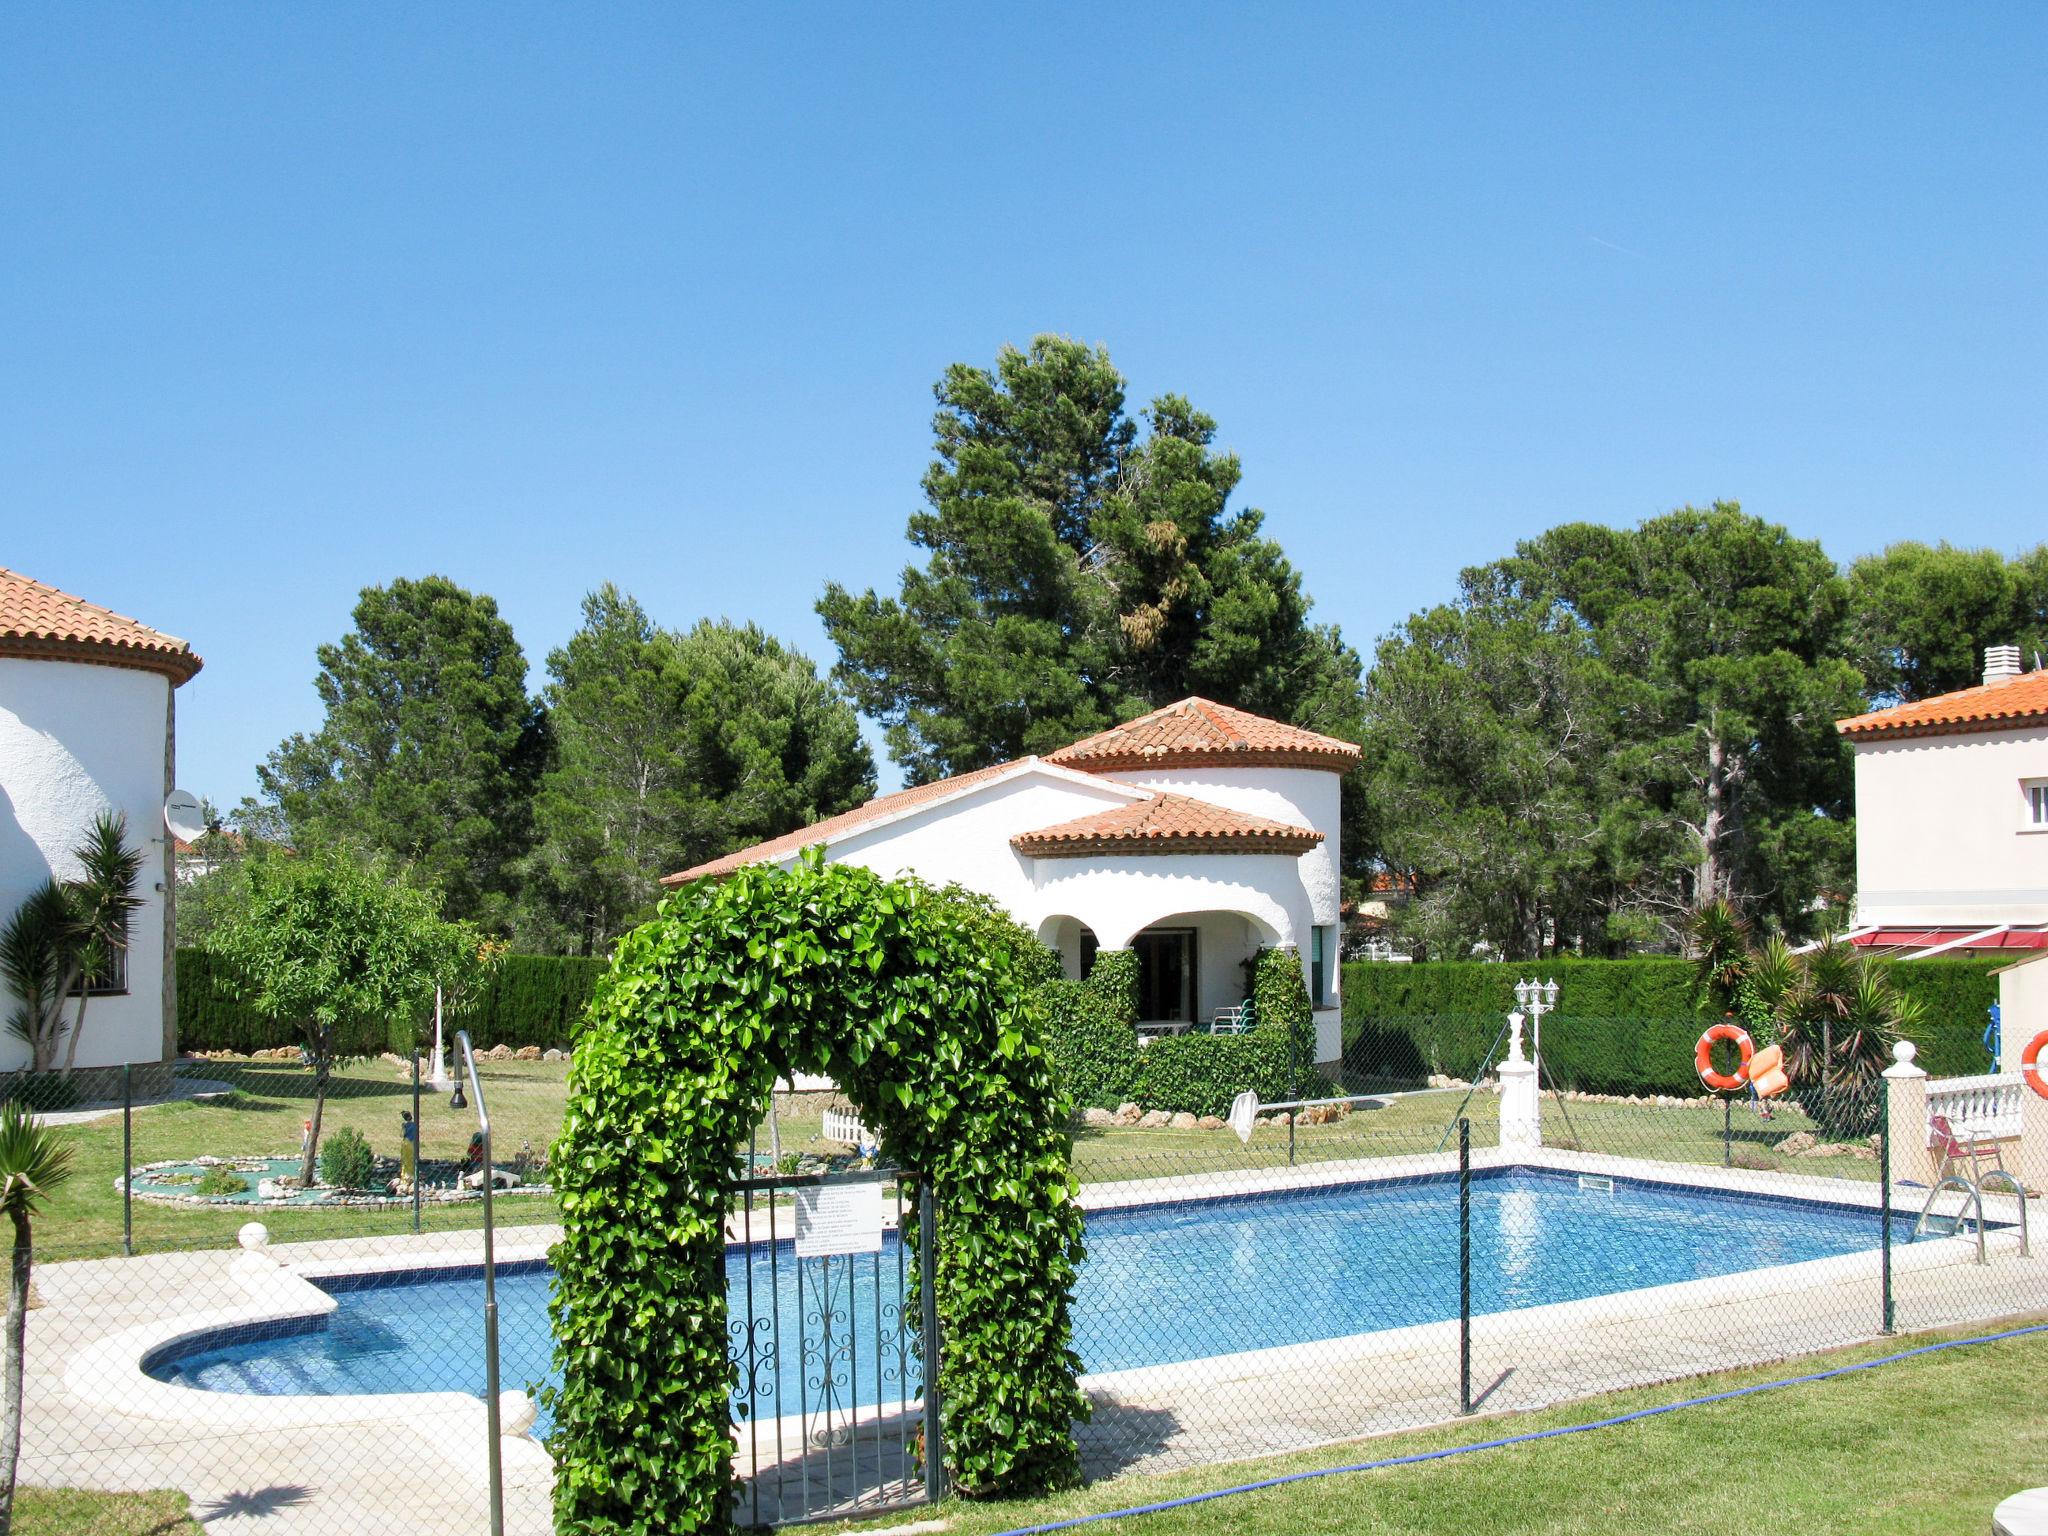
{"x":1161,"y":1284}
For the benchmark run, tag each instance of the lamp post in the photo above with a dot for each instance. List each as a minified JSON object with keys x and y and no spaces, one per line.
{"x":1536,"y":998}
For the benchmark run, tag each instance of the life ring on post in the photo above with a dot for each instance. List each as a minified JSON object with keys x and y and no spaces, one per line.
{"x":1703,"y":1057}
{"x":2030,"y":1064}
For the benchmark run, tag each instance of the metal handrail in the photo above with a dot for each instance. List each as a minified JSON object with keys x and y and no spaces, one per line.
{"x":497,"y":1453}
{"x":2020,"y":1191}
{"x":1963,"y":1186}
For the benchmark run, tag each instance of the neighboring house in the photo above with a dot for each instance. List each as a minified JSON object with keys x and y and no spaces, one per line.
{"x":1952,"y":817}
{"x":1195,"y":836}
{"x":88,"y":724}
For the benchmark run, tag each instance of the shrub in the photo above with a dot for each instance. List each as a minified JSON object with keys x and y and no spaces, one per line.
{"x":1094,"y":1053}
{"x":346,"y":1161}
{"x":894,"y":990}
{"x":1201,"y":1074}
{"x":1114,"y":978}
{"x":220,"y":1179}
{"x":1621,"y":1026}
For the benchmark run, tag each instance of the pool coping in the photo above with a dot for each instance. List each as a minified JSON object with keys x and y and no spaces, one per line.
{"x":113,"y":1373}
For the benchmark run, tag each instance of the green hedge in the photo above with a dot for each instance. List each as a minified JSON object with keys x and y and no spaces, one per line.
{"x":1093,"y":1049}
{"x":1621,"y":1026}
{"x":526,"y":1000}
{"x":1201,"y":1074}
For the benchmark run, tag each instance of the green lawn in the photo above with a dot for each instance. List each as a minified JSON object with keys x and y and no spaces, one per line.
{"x":80,"y":1512}
{"x":1923,"y":1448}
{"x":272,"y":1099}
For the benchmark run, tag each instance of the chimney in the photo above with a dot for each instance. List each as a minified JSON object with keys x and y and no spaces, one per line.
{"x":2001,"y":662}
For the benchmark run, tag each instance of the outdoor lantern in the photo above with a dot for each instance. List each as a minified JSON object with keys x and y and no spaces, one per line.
{"x":455,"y":1099}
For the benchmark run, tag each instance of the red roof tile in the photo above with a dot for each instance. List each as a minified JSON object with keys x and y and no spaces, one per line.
{"x":41,"y":622}
{"x":2009,"y":702}
{"x":877,"y":809}
{"x":1199,"y":733}
{"x":1166,"y":824}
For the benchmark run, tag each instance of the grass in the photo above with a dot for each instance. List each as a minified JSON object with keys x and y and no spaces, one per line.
{"x":1926,"y":1447}
{"x":86,"y":1512}
{"x":271,"y":1100}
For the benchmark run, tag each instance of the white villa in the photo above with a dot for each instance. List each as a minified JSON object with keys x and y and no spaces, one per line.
{"x":1194,"y":835}
{"x":88,"y":724}
{"x":1952,"y":832}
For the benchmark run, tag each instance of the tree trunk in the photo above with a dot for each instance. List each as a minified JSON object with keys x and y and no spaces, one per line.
{"x":1710,"y":877}
{"x":312,"y":1158}
{"x":17,"y":1330}
{"x":77,"y":1029}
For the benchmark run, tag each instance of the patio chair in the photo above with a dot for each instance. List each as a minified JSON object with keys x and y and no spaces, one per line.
{"x":1964,"y":1152}
{"x":1231,"y":1021}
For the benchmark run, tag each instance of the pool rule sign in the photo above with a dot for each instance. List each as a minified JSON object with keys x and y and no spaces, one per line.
{"x":839,"y":1218}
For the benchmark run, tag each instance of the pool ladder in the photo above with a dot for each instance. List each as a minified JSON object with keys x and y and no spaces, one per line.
{"x":1975,"y":1191}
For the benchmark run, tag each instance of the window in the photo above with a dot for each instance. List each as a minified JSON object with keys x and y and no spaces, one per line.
{"x":111,"y":979}
{"x":1319,"y":967}
{"x":2036,"y":791}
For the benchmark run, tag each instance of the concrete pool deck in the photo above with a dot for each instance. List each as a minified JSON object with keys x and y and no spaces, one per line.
{"x":289,"y":1464}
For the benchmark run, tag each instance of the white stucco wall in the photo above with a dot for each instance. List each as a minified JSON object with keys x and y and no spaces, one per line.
{"x":76,"y":740}
{"x":1940,"y":839}
{"x":2022,"y":1008}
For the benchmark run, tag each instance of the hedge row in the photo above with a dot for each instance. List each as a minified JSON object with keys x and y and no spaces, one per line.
{"x":1621,"y":1026}
{"x":526,"y":1000}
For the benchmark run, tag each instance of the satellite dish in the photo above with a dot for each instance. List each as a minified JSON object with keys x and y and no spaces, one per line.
{"x":183,"y":817}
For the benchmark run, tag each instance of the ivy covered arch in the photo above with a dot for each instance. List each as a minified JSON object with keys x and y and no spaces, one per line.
{"x":914,"y":1000}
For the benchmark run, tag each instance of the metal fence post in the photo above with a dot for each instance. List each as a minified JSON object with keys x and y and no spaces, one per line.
{"x":419,"y":1141}
{"x":928,"y":1294}
{"x":1464,"y":1265}
{"x":127,"y":1157}
{"x":492,"y":1407}
{"x":1884,"y":1187}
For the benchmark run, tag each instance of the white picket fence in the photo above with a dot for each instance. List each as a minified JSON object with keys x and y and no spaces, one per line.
{"x":843,"y":1125}
{"x":1989,"y":1104}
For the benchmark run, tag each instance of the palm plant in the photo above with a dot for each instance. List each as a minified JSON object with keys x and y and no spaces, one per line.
{"x":64,"y":935}
{"x":33,"y":1162}
{"x":1720,"y":949}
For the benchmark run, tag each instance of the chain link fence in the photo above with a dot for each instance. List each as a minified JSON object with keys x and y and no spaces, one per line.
{"x":1459,"y":1231}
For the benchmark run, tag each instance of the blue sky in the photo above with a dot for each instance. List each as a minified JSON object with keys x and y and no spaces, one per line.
{"x":298,"y":299}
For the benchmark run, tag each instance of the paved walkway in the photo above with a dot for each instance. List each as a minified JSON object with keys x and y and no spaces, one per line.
{"x":183,"y":1091}
{"x":365,"y":1469}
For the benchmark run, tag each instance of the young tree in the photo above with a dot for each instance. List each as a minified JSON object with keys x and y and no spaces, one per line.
{"x":34,"y":1161}
{"x":66,"y":934}
{"x":1076,"y":575}
{"x":670,"y":749}
{"x":348,"y":952}
{"x":430,"y":748}
{"x":1922,"y":615}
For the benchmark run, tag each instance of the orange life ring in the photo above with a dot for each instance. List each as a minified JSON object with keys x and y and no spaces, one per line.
{"x":1703,"y":1057}
{"x":2030,"y":1064}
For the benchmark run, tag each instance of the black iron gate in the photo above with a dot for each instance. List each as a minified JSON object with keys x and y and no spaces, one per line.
{"x":831,"y":1413}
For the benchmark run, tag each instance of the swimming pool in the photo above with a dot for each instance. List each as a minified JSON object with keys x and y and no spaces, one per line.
{"x":1163,"y":1283}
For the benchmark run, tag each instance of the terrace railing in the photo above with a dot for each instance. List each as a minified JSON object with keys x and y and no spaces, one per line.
{"x":1991,"y":1104}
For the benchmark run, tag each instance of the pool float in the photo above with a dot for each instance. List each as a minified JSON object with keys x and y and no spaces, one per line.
{"x":1703,"y":1057}
{"x":2030,"y":1064}
{"x":1766,"y":1072}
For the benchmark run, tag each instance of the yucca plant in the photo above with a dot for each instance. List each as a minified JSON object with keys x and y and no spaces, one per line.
{"x":34,"y":1160}
{"x":62,"y":936}
{"x":1720,"y":954}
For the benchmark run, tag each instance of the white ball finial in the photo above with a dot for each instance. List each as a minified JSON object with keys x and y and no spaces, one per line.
{"x":1904,"y":1052}
{"x":255,"y":1237}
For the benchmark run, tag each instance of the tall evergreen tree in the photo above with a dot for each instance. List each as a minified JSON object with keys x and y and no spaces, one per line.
{"x":669,"y":749}
{"x":430,"y":749}
{"x":1922,"y":615}
{"x":1078,"y":573}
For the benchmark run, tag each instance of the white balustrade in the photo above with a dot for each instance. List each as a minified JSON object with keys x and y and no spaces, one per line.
{"x":843,"y":1125}
{"x":1990,"y":1104}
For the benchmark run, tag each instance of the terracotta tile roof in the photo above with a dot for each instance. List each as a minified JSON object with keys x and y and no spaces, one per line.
{"x":1998,"y":706}
{"x":41,"y":622}
{"x":1199,"y":733}
{"x":1166,"y":824}
{"x":831,"y":827}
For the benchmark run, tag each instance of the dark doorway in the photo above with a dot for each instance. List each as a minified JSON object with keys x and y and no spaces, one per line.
{"x":1166,"y":973}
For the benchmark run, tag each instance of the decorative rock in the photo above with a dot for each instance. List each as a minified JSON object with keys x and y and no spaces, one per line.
{"x":528,"y":1053}
{"x":1097,"y":1116}
{"x":554,"y":1053}
{"x":1796,"y":1143}
{"x":1214,"y":1123}
{"x":498,"y":1052}
{"x":1184,"y":1121}
{"x":1152,"y":1119}
{"x":1127,"y":1113}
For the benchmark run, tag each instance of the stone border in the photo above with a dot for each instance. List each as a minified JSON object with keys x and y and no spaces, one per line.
{"x":350,"y":1200}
